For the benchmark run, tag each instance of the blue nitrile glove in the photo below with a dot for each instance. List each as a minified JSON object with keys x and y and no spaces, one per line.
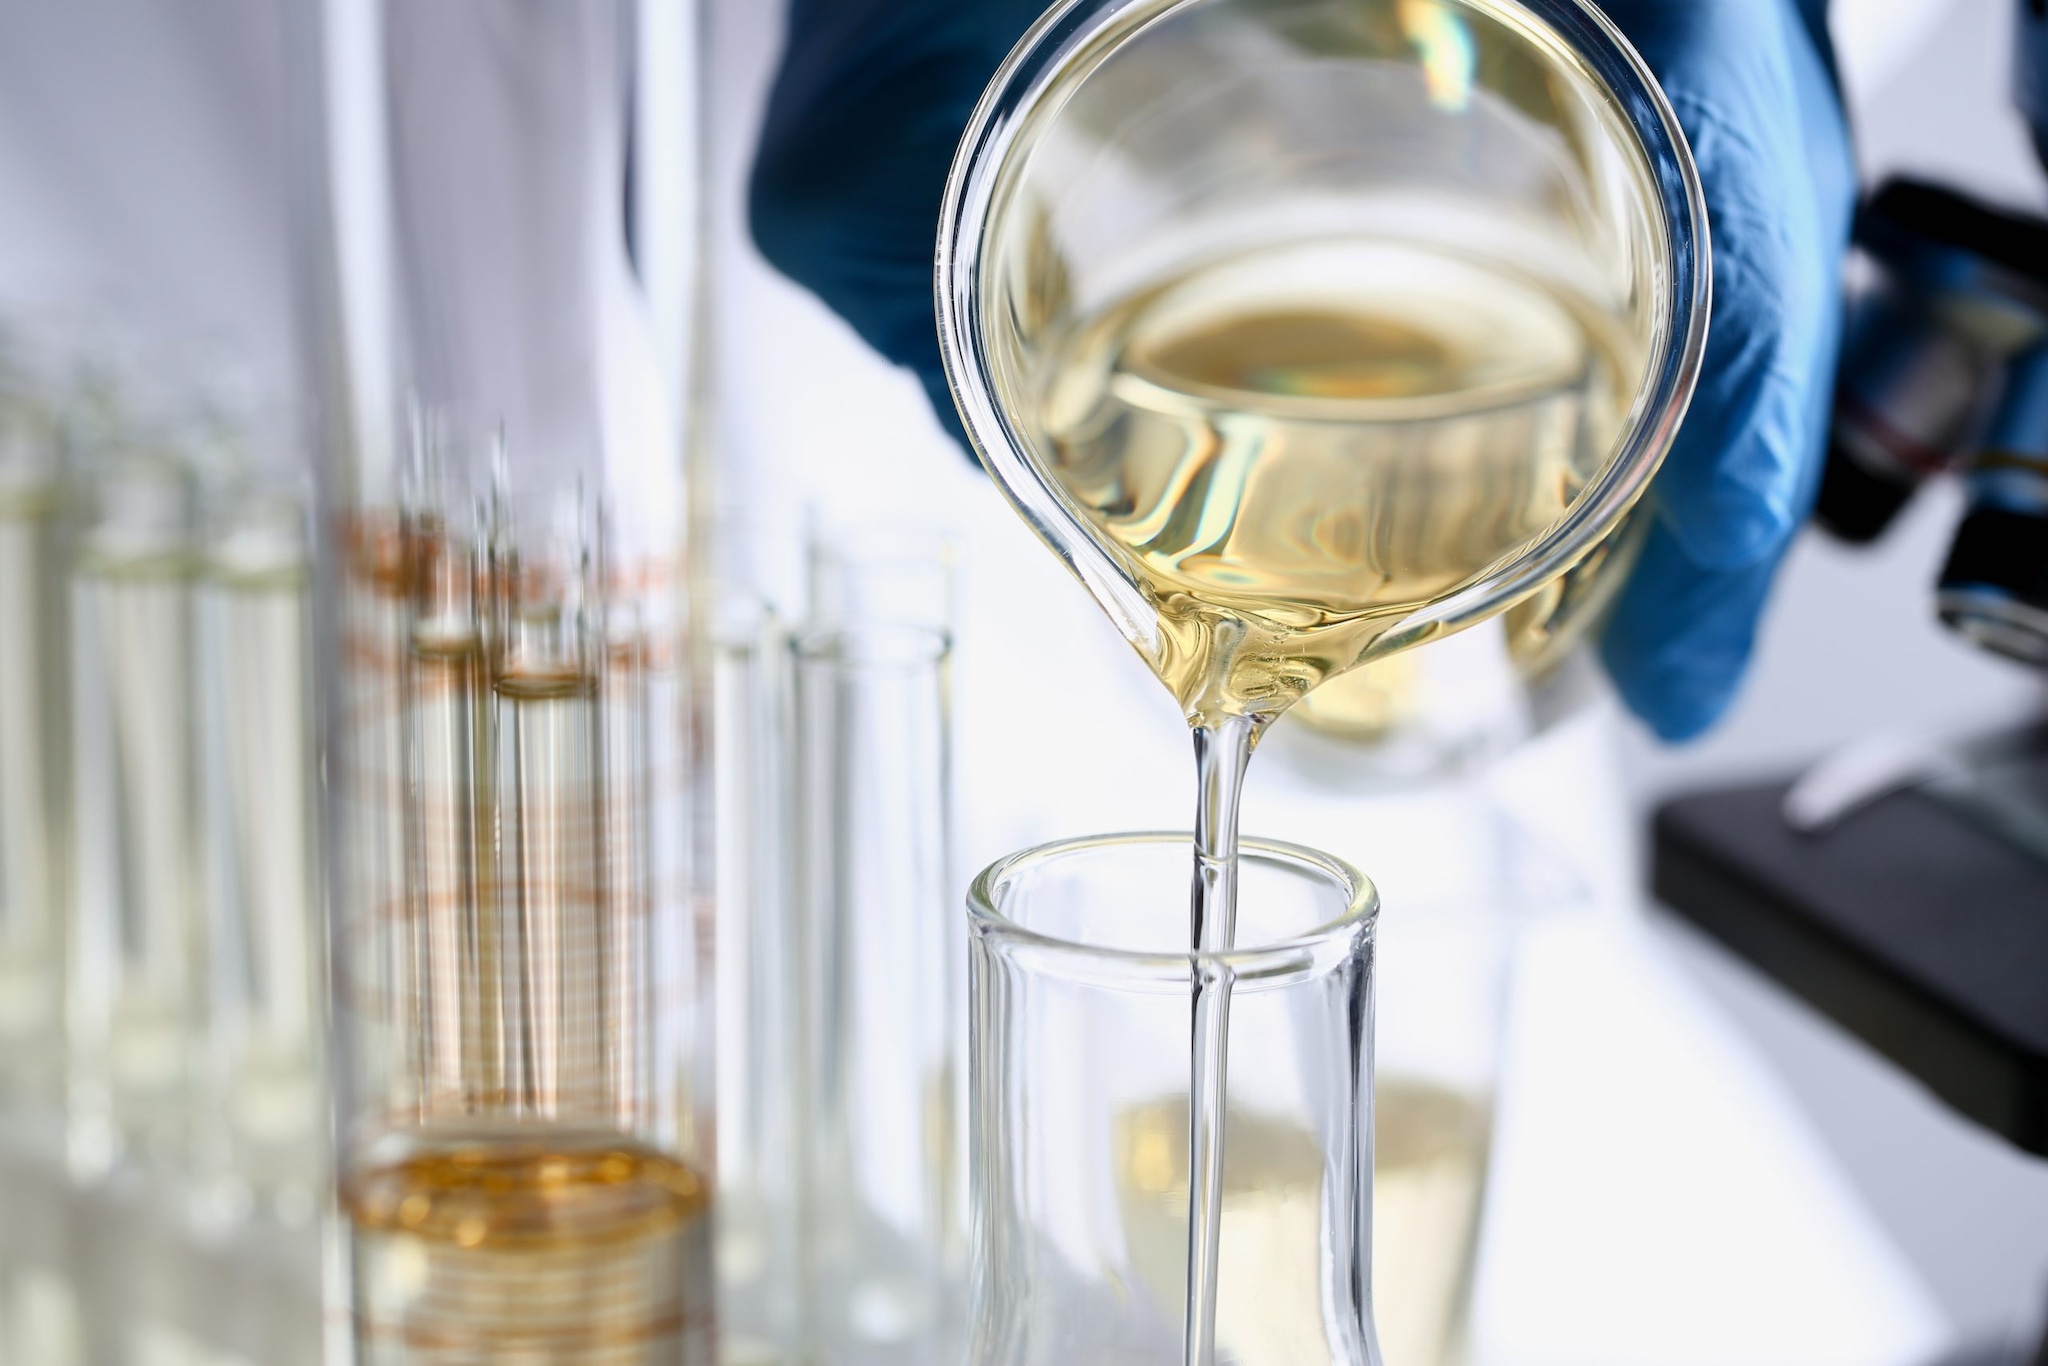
{"x":873,"y":95}
{"x":1753,"y":84}
{"x":871,"y":101}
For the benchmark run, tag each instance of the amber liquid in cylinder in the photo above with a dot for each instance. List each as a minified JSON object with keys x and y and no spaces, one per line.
{"x":549,"y":1248}
{"x":521,"y":1209}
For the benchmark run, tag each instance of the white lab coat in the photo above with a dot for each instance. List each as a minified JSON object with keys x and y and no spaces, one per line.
{"x":143,"y":177}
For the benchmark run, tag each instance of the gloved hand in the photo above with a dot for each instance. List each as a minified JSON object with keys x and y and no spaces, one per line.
{"x":873,"y":96}
{"x":1753,"y":85}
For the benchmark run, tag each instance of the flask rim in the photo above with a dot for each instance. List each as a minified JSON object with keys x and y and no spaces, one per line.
{"x":1291,"y":959}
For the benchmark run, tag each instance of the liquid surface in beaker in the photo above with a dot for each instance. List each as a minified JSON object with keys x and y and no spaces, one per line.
{"x":1295,"y":448}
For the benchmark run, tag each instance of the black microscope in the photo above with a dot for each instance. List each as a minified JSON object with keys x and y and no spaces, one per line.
{"x":1901,"y":886}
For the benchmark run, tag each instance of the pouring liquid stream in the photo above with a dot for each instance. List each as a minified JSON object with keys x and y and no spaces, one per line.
{"x":1222,"y":753}
{"x":1290,"y":452}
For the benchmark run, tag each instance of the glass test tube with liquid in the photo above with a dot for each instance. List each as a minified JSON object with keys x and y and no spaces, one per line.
{"x":34,"y":652}
{"x":880,"y":991}
{"x":39,"y":1301}
{"x":137,"y":958}
{"x":760,"y":1124}
{"x":263,"y":1128}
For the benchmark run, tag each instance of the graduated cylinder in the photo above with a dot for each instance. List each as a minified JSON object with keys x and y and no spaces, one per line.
{"x":502,"y":279}
{"x":518,"y":1166}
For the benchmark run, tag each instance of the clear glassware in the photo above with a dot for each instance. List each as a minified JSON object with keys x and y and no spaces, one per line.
{"x":34,"y":816}
{"x":519,"y":1129}
{"x":42,"y":1301}
{"x":879,"y":995}
{"x":1442,"y":1006}
{"x":137,"y":969}
{"x":760,"y":1135}
{"x":1433,"y":712}
{"x":501,"y":261}
{"x":1447,"y":970}
{"x":264,"y":1119}
{"x":1080,"y":1101}
{"x":1460,"y":879}
{"x":1308,"y":330}
{"x":883,"y":571}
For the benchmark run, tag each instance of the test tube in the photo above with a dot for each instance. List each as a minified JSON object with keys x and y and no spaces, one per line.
{"x":879,"y":995}
{"x":42,"y":1312}
{"x":558,"y":954}
{"x":883,"y":570}
{"x":443,"y":980}
{"x":265,"y":1114}
{"x":34,"y":821}
{"x":137,"y":964}
{"x":759,"y":1123}
{"x":39,"y":1308}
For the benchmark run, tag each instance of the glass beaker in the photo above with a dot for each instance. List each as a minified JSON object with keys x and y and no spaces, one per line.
{"x":1308,"y":330}
{"x":1081,"y":1017}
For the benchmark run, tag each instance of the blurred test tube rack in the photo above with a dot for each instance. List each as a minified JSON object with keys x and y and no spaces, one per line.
{"x":162,"y":1092}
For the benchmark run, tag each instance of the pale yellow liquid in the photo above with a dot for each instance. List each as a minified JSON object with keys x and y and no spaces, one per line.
{"x":447,"y":986}
{"x":1371,"y":701}
{"x":1428,"y":1173}
{"x":1293,"y":449}
{"x":558,"y":1248}
{"x":1430,"y":1150}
